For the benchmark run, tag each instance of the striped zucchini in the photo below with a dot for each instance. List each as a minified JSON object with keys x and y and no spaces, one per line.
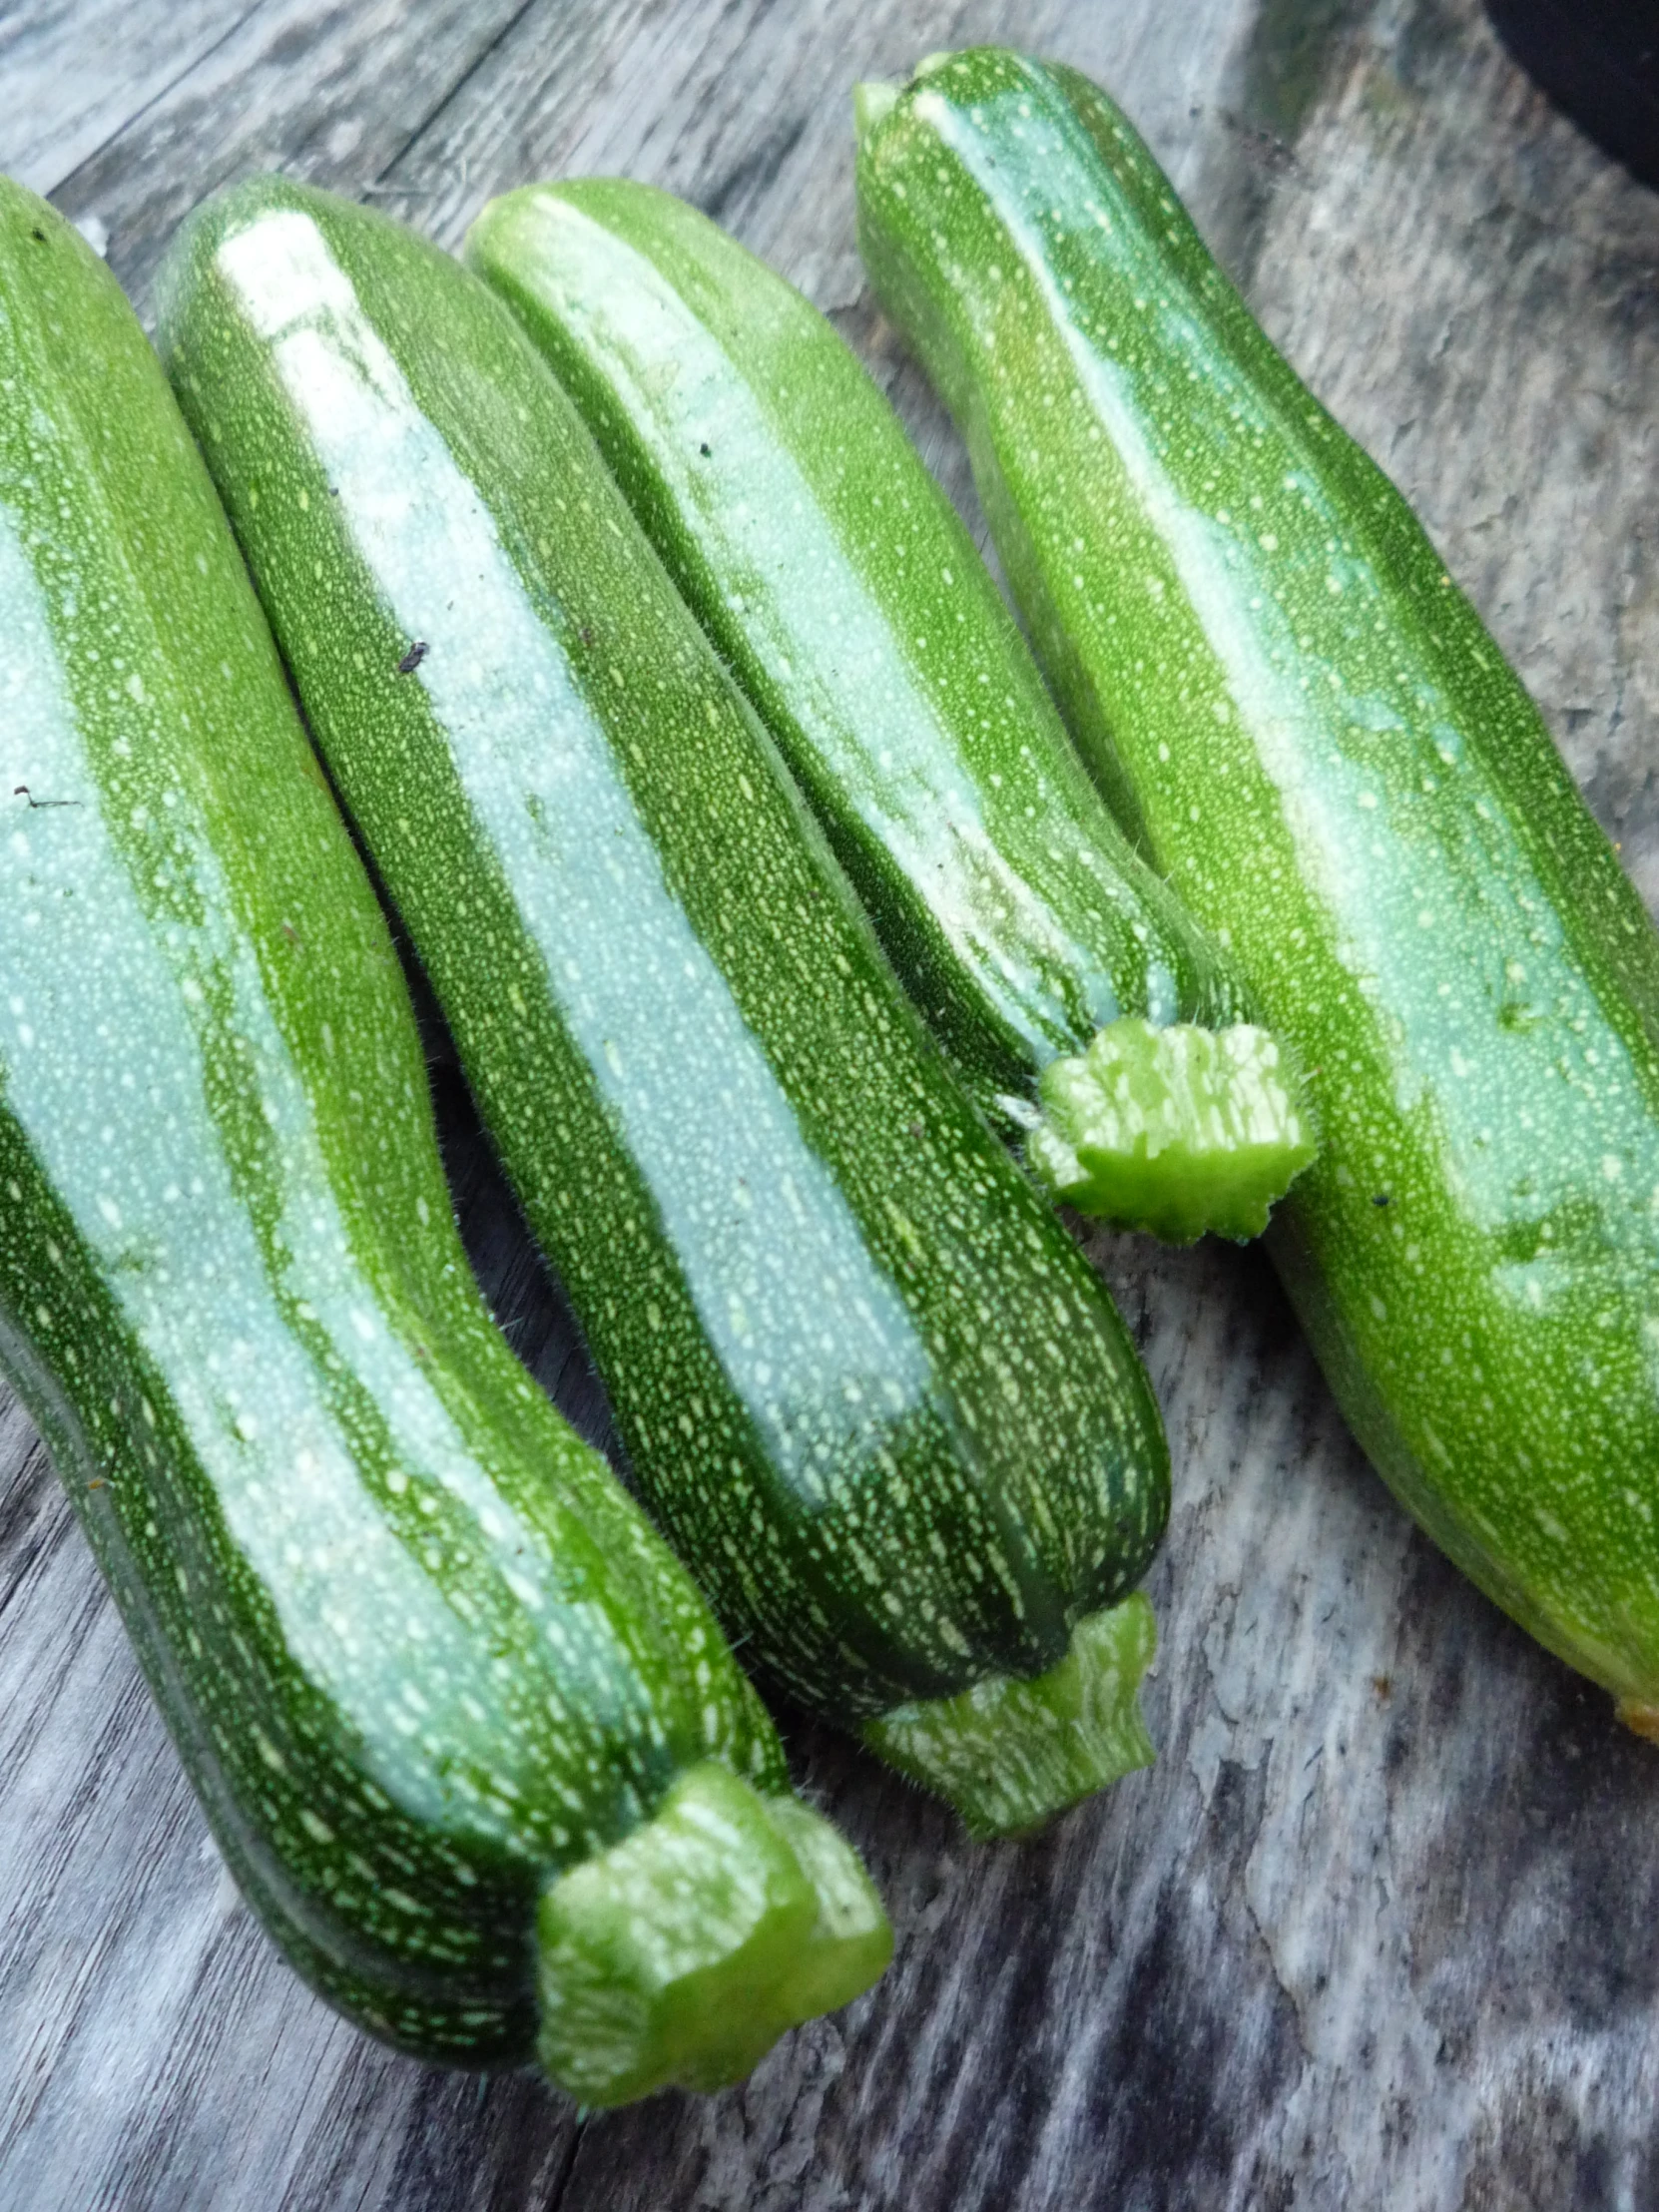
{"x":1353,"y":793}
{"x":836,"y":581}
{"x":451,"y":1707}
{"x":864,"y":1380}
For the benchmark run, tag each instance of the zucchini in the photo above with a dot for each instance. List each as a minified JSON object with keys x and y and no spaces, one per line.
{"x":866,"y":1383}
{"x":1350,"y":789}
{"x":450,"y":1703}
{"x":836,"y":581}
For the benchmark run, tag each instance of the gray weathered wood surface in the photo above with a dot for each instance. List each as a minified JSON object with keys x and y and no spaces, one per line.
{"x":1382,"y":1927}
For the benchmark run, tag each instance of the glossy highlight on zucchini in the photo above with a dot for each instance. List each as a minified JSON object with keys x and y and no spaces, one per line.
{"x":864,"y":1380}
{"x":837,"y":583}
{"x":1322,"y":747}
{"x":444,"y":1694}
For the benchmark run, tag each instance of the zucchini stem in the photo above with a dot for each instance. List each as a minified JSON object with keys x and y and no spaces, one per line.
{"x":1010,"y":1754}
{"x":871,"y":102}
{"x":1641,"y":1717}
{"x":1175,"y":1131}
{"x":681,"y":1955}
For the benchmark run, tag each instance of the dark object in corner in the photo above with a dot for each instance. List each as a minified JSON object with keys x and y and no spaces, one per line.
{"x":1598,"y":60}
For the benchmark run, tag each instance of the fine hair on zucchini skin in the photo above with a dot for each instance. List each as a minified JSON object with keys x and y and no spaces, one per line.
{"x":865,"y":1379}
{"x":1344,"y":780}
{"x":424,"y":1660}
{"x":839,"y":585}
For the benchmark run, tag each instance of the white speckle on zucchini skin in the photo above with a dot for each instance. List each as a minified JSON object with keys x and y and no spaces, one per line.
{"x":961,"y":1514}
{"x":1340,"y":775}
{"x":416,"y":1647}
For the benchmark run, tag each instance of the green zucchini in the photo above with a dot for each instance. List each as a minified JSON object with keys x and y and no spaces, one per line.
{"x":450,"y":1704}
{"x":864,"y":1380}
{"x":836,"y":581}
{"x":1326,"y":751}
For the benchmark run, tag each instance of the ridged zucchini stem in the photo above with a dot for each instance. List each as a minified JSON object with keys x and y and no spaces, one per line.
{"x":1174,"y":1131}
{"x":1011,"y":1754}
{"x":681,"y":1955}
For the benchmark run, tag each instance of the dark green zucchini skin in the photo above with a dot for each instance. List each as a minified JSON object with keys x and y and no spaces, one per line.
{"x":866,"y":1381}
{"x":1268,"y":665}
{"x":418,"y":1650}
{"x":839,"y":583}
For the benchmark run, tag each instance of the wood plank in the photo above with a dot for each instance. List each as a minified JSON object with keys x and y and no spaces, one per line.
{"x":325,"y":92}
{"x":1381,"y":1925}
{"x":76,"y":72}
{"x":749,"y":109}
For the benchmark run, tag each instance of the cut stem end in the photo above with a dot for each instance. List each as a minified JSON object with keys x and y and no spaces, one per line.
{"x":1174,"y":1131}
{"x":1010,"y":1754}
{"x":871,"y":102}
{"x":682,"y":1953}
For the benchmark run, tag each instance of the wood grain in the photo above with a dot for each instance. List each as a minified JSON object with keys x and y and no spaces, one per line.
{"x":58,"y":110}
{"x":1382,"y":1927}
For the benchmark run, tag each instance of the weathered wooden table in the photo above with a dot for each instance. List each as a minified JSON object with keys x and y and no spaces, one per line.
{"x":1382,"y":1927}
